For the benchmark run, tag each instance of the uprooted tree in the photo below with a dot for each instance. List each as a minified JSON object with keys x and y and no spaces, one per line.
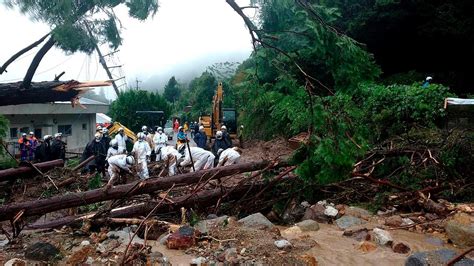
{"x":77,"y":26}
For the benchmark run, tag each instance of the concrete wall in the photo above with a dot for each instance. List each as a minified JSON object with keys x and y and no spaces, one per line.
{"x":82,"y":131}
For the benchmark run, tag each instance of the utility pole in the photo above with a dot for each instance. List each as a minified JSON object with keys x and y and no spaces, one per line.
{"x":137,"y":81}
{"x":103,"y":63}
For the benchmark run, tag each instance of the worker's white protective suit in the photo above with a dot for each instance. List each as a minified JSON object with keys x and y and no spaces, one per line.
{"x":111,"y":152}
{"x":170,"y":156}
{"x":117,"y":162}
{"x":202,"y":159}
{"x":142,"y":152}
{"x":122,"y":142}
{"x":160,"y":140}
{"x":228,"y":157}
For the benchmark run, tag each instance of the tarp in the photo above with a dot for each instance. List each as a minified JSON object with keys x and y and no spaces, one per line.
{"x":458,"y":101}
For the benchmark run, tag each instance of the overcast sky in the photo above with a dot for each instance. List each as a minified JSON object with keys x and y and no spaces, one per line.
{"x":184,"y":36}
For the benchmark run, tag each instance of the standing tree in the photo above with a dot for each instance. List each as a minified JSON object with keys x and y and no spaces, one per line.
{"x":75,"y":26}
{"x":172,"y":90}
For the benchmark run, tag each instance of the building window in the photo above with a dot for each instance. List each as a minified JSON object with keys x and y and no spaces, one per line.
{"x":38,"y":133}
{"x":84,"y":126}
{"x":13,"y":133}
{"x":25,"y":130}
{"x":65,"y":129}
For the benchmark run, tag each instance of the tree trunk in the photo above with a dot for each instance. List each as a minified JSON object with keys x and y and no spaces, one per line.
{"x":43,"y":92}
{"x":35,"y":63}
{"x":201,"y":199}
{"x":42,"y":206}
{"x":3,"y":68}
{"x":13,"y":173}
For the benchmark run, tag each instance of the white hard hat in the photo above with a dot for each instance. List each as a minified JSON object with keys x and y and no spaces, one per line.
{"x":57,"y":135}
{"x":201,"y":128}
{"x":144,"y":128}
{"x":23,"y":134}
{"x":130,"y":160}
{"x":429,"y":78}
{"x":114,"y":143}
{"x":160,"y":128}
{"x":223,"y":127}
{"x":31,"y":133}
{"x":180,"y":127}
{"x":141,"y":136}
{"x":219,"y":134}
{"x":120,"y":129}
{"x":99,"y":128}
{"x":46,"y":137}
{"x":105,"y":130}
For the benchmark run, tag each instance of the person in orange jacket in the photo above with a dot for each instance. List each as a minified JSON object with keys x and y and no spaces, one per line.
{"x":34,"y":144}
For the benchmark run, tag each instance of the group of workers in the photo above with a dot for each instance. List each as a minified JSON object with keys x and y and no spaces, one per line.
{"x":113,"y":154}
{"x":37,"y":150}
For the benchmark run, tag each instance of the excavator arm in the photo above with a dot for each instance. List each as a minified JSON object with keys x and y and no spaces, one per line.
{"x":113,"y":130}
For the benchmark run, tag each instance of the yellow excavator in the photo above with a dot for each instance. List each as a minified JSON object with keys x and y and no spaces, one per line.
{"x":220,"y":116}
{"x":113,"y":130}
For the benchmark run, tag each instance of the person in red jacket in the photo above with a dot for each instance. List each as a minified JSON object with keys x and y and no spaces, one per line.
{"x":34,"y":144}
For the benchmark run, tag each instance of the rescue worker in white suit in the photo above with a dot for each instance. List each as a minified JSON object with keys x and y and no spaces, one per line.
{"x":121,"y":139}
{"x":170,"y":156}
{"x":113,"y":149}
{"x":202,"y":159}
{"x":142,"y":151}
{"x":160,"y":140}
{"x":116,"y":163}
{"x":229,"y":156}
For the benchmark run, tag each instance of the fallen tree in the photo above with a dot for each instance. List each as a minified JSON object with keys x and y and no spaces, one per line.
{"x":13,"y":173}
{"x":42,"y":206}
{"x":45,"y":91}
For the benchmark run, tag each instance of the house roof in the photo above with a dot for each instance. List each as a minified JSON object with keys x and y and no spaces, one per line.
{"x":89,"y":107}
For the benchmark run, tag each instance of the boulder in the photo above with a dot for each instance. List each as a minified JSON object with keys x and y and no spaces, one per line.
{"x":308,"y":225}
{"x":316,"y":212}
{"x":382,"y":237}
{"x":331,"y":211}
{"x":41,"y":251}
{"x":183,"y":238}
{"x":199,"y":261}
{"x":283,"y":244}
{"x":358,"y":233}
{"x":347,"y":221}
{"x":357,"y":212}
{"x":460,"y":230}
{"x":394,"y":221}
{"x":401,"y":248}
{"x":293,"y":230}
{"x":407,"y":221}
{"x":256,"y":220}
{"x":15,"y":262}
{"x":436,"y":257}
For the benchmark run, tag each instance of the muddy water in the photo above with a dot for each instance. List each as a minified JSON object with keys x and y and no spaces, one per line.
{"x":335,"y":249}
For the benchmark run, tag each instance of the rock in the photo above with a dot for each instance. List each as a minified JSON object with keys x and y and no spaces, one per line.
{"x":309,"y":260}
{"x":15,"y":262}
{"x":199,"y":261}
{"x":293,"y":230}
{"x":366,"y":246}
{"x":436,"y":257}
{"x":41,"y":251}
{"x":283,"y":244}
{"x":256,"y":220}
{"x":407,"y":221}
{"x":358,"y":233}
{"x":242,"y":251}
{"x":101,"y":248}
{"x":85,"y":243}
{"x":460,"y":230}
{"x":183,"y":238}
{"x":401,"y":248}
{"x":394,"y":221}
{"x":316,"y":212}
{"x":89,"y":261}
{"x":308,"y":225}
{"x":230,"y":254}
{"x":201,"y":226}
{"x":3,"y":243}
{"x":357,"y":212}
{"x":347,"y":221}
{"x":382,"y":237}
{"x":294,"y":212}
{"x":431,"y":216}
{"x":211,"y":216}
{"x":331,"y":211}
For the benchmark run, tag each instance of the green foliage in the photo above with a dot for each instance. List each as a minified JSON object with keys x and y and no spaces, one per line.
{"x":95,"y":182}
{"x":69,"y":20}
{"x":3,"y":131}
{"x":199,"y":95}
{"x":172,"y":90}
{"x":124,"y":108}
